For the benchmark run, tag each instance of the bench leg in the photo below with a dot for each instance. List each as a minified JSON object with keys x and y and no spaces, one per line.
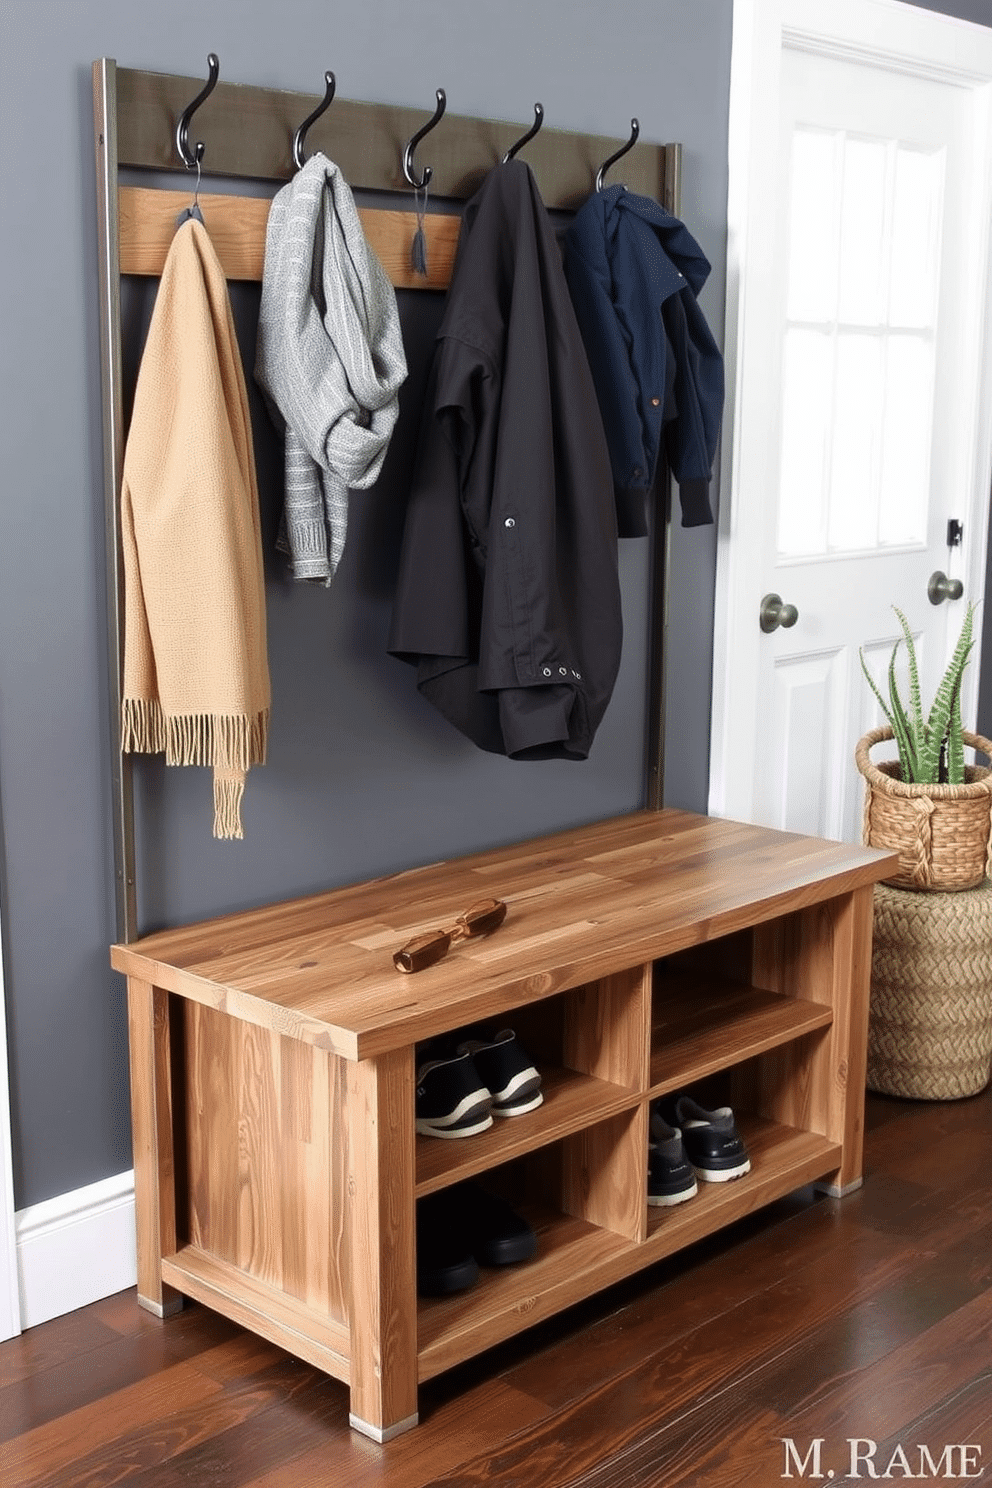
{"x":380,"y":1107}
{"x":152,"y":1138}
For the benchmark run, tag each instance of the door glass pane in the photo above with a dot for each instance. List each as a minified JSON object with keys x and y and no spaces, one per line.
{"x":905,"y":485}
{"x":855,"y":442}
{"x":807,"y":378}
{"x":863,"y":245}
{"x":857,"y":366}
{"x":916,"y":213}
{"x":813,"y":216}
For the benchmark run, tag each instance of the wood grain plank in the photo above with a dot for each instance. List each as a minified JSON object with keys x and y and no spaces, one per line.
{"x":302,"y":969}
{"x":237,"y":226}
{"x":152,"y":1140}
{"x":700,"y":1028}
{"x":254,"y":1304}
{"x":824,"y":954}
{"x":91,"y":1428}
{"x":570,"y":1100}
{"x":604,"y":1174}
{"x":575,"y":1258}
{"x":380,"y":1214}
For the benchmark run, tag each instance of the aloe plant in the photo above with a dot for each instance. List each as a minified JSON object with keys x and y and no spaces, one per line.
{"x":931,"y":751}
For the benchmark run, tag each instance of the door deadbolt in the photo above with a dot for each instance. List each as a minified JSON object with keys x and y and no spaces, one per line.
{"x":774,"y":613}
{"x":941,"y":587}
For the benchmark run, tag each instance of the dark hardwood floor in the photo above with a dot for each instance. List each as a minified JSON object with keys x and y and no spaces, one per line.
{"x":858,"y":1326}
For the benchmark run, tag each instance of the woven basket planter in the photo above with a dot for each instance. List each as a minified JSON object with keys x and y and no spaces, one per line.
{"x":930,"y":1014}
{"x":942,"y":833}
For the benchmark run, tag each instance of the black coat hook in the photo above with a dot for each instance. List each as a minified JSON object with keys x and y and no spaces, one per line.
{"x":299,"y":138}
{"x":635,"y":130}
{"x":415,"y":141}
{"x":189,"y":157}
{"x":538,"y":121}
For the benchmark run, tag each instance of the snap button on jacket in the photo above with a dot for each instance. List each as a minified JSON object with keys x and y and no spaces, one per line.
{"x":508,"y":595}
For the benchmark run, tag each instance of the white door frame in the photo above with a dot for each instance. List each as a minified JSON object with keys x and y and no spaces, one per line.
{"x":10,"y":1307}
{"x":906,"y":38}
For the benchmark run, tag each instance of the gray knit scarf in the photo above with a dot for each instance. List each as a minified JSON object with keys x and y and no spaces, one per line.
{"x":329,"y":358}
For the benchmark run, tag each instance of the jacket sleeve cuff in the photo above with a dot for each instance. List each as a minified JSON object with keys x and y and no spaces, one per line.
{"x":533,"y":719}
{"x":694,"y":496}
{"x":632,"y":511}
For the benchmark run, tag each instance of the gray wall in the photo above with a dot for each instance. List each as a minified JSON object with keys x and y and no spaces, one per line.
{"x":363,"y":778}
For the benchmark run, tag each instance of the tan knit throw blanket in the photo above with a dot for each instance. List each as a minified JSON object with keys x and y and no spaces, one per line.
{"x":196,"y":676}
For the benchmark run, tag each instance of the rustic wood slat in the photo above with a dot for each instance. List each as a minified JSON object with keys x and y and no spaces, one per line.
{"x":237,"y":224}
{"x":304,"y":968}
{"x":154,"y":1154}
{"x":574,"y":1258}
{"x":264,"y":1309}
{"x":570,"y":1100}
{"x":712,"y":1029}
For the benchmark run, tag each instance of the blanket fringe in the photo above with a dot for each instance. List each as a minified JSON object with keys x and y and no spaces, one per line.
{"x":228,"y":741}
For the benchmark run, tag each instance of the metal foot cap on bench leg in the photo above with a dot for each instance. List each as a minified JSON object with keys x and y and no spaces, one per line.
{"x":168,"y":1308}
{"x":838,"y":1190}
{"x":383,"y":1433}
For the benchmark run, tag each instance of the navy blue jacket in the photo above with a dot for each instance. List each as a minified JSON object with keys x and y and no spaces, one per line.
{"x":634,"y":272}
{"x":508,"y":592}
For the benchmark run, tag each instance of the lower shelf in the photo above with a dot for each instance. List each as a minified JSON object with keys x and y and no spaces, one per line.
{"x":576,"y":1259}
{"x":264,"y":1309}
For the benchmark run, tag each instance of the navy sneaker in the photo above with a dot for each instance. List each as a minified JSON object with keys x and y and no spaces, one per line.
{"x":712,"y":1142}
{"x":452,"y":1100}
{"x":671,"y":1178}
{"x":445,"y":1263}
{"x":507,"y":1071}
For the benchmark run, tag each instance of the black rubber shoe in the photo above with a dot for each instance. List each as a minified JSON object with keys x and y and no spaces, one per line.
{"x":712,"y":1142}
{"x":445,"y":1263}
{"x":507,"y":1071}
{"x":498,"y":1236}
{"x":452,"y":1100}
{"x":671,"y":1178}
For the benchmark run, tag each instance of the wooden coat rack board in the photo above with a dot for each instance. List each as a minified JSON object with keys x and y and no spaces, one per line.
{"x":248,"y":134}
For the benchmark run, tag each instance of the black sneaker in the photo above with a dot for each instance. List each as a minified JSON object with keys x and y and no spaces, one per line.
{"x":507,"y":1071}
{"x":712,"y":1142}
{"x":671,"y":1179}
{"x":452,"y":1101}
{"x":497,"y":1234}
{"x":445,"y":1262}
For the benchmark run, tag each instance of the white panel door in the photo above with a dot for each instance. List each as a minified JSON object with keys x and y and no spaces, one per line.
{"x":858,"y":421}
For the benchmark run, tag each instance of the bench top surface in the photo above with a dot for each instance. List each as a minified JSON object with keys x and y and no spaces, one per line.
{"x":581,"y":904}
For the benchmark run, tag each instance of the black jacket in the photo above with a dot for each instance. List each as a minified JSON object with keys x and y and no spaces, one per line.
{"x":508,"y":597}
{"x":634,"y":272}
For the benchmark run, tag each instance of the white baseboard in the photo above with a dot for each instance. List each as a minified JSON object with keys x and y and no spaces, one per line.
{"x":75,"y":1248}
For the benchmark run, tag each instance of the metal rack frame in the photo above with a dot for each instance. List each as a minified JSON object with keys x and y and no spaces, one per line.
{"x":251,"y":132}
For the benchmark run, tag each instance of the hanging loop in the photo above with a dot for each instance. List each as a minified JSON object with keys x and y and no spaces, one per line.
{"x":635,"y":130}
{"x":538,"y":121}
{"x":191,"y":158}
{"x":299,"y":138}
{"x":415,"y":141}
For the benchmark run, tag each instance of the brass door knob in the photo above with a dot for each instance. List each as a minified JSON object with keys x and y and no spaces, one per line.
{"x":774,"y":613}
{"x":941,"y":587}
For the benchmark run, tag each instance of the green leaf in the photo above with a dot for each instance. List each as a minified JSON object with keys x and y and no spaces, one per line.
{"x":908,"y":750}
{"x":939,"y":720}
{"x":871,"y":683}
{"x":955,"y":744}
{"x":915,"y":700}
